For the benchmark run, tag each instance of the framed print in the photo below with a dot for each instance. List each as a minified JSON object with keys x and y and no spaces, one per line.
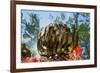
{"x":52,"y":36}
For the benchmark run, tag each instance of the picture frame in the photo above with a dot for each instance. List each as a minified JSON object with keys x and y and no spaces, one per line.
{"x":17,"y":7}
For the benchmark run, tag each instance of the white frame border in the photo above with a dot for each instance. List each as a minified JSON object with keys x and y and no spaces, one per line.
{"x":20,"y":65}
